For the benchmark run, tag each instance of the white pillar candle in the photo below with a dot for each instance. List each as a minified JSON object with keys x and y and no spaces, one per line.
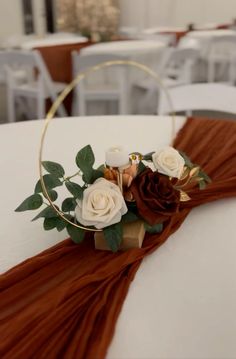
{"x":117,"y":157}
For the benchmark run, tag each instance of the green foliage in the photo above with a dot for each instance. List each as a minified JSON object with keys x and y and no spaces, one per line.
{"x":61,"y":224}
{"x":85,"y":159}
{"x":113,"y":236}
{"x":50,"y":182}
{"x":47,"y":212}
{"x":141,"y":167}
{"x":50,"y":223}
{"x":32,"y":202}
{"x":187,"y":161}
{"x":54,"y":168}
{"x":68,"y":205}
{"x":148,"y":156}
{"x":76,"y":234}
{"x":75,"y":189}
{"x":205,"y":177}
{"x":157,"y":228}
{"x":129,"y":217}
{"x":53,"y":195}
{"x":202,"y":184}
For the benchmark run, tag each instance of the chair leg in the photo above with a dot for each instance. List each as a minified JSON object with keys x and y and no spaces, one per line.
{"x":123,"y":105}
{"x":40,"y":108}
{"x":81,"y":106}
{"x":11,"y":112}
{"x":211,"y":71}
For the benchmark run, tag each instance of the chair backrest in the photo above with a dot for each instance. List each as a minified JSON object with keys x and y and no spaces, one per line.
{"x":30,"y":62}
{"x":212,"y":97}
{"x":178,"y":63}
{"x":116,"y":77}
{"x":220,"y":50}
{"x":221,"y":47}
{"x":84,"y":62}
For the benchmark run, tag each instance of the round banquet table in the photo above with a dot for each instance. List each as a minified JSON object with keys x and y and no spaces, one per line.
{"x":126,"y":48}
{"x":50,"y":40}
{"x":164,"y":29}
{"x":182,"y":302}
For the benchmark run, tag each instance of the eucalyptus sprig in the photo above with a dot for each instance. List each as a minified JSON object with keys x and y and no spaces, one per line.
{"x":54,"y":178}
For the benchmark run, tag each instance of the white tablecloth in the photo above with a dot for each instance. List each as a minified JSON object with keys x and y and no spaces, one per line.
{"x":127,"y":48}
{"x":161,"y":29}
{"x":182,"y":302}
{"x":29,"y":42}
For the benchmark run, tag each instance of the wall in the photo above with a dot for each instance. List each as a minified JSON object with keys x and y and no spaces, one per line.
{"x":11,"y":18}
{"x":147,"y":13}
{"x":11,"y":22}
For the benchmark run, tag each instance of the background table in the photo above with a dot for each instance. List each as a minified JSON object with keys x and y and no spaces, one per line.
{"x":203,"y":38}
{"x":53,"y":40}
{"x":182,"y":302}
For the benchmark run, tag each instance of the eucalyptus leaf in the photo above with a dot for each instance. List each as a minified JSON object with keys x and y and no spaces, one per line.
{"x":113,"y":236}
{"x":50,"y":182}
{"x":68,"y":205}
{"x":148,"y":156}
{"x":32,"y":202}
{"x":61,"y":224}
{"x":141,"y":167}
{"x":54,"y":168}
{"x":205,"y":177}
{"x":157,"y":228}
{"x":187,"y":161}
{"x":76,"y":234}
{"x":85,"y":159}
{"x":47,"y":212}
{"x":87,"y":176}
{"x":75,"y":189}
{"x":53,"y":195}
{"x":50,"y":223}
{"x":91,"y":175}
{"x":129,"y":217}
{"x":101,"y":168}
{"x":202,"y":184}
{"x":95,"y":175}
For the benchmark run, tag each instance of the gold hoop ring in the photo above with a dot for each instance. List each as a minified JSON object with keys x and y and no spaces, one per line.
{"x":62,"y":97}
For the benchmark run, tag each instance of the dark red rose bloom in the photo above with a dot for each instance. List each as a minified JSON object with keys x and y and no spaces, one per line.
{"x":155,"y":196}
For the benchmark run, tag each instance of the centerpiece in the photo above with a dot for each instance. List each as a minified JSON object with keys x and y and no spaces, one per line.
{"x":128,"y":195}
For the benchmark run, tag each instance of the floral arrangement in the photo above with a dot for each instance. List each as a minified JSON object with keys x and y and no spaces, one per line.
{"x":129,"y":187}
{"x":97,"y":20}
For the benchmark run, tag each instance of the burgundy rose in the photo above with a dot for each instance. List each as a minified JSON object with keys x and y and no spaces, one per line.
{"x":155,"y":196}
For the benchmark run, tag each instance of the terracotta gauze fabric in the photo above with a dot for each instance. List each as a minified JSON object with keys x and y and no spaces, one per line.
{"x":64,"y":302}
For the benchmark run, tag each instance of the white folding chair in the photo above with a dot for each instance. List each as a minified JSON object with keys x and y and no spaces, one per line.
{"x":27,"y":78}
{"x":104,"y":90}
{"x":220,"y":51}
{"x":197,"y":97}
{"x":176,"y":68}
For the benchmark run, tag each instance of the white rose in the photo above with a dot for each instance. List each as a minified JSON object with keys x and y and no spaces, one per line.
{"x":169,"y":162}
{"x":102,"y":205}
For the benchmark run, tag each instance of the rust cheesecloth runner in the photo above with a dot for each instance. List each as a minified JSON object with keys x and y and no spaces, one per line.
{"x":64,"y":302}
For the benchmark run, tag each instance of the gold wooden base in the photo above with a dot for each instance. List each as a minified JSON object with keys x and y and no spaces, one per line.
{"x":133,"y":235}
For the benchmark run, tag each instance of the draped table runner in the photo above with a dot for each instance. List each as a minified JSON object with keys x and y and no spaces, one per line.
{"x":64,"y":302}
